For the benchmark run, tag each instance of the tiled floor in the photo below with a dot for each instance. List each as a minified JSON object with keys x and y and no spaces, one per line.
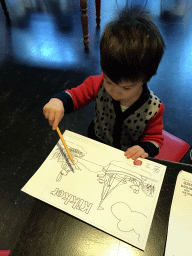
{"x":42,"y":53}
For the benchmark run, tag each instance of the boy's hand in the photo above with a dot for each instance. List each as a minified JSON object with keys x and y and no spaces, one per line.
{"x":135,"y":152}
{"x":54,"y":112}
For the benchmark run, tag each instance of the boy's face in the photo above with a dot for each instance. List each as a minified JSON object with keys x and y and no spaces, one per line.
{"x":124,"y":92}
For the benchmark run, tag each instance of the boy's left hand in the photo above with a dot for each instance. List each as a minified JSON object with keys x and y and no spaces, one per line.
{"x":135,"y":152}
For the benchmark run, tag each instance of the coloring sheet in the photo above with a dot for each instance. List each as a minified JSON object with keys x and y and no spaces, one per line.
{"x":102,"y":187}
{"x":180,"y":220}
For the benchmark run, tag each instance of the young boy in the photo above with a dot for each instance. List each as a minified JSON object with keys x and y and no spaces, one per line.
{"x":128,"y":115}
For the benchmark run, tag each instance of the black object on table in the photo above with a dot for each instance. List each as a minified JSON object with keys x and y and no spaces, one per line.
{"x":50,"y":231}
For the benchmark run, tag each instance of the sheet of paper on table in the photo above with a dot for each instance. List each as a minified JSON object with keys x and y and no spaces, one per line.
{"x":105,"y":189}
{"x":179,"y":239}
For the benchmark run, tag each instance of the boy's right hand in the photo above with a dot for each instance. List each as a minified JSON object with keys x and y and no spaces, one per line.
{"x":54,"y":112}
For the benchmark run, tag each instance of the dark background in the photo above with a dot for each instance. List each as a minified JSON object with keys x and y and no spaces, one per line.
{"x":41,"y":53}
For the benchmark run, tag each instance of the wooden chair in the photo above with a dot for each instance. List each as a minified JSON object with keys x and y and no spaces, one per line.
{"x":4,"y":7}
{"x":173,"y":149}
{"x":84,"y":19}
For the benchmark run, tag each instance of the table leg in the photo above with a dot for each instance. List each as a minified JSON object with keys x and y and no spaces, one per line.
{"x":4,"y":7}
{"x":98,"y":11}
{"x":84,"y":20}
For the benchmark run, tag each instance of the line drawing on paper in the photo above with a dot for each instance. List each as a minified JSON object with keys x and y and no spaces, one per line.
{"x":61,"y":155}
{"x":155,"y":168}
{"x":116,"y":173}
{"x":102,"y":188}
{"x":129,"y":220}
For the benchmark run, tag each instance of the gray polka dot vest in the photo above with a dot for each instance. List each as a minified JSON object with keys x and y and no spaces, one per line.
{"x":123,"y":129}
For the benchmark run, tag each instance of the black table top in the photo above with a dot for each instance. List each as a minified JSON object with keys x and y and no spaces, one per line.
{"x":50,"y":231}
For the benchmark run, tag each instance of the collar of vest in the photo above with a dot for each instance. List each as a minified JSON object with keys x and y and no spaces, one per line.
{"x":142,"y":99}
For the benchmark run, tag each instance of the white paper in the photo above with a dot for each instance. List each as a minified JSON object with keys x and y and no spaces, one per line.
{"x":102,"y":188}
{"x":179,"y":239}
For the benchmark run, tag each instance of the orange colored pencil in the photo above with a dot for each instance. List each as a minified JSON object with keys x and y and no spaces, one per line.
{"x":65,"y":145}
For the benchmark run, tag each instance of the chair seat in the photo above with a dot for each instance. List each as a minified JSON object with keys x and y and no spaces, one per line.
{"x":173,"y":149}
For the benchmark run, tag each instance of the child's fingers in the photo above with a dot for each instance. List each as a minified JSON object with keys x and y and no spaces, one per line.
{"x":46,"y":112}
{"x":136,"y":155}
{"x":58,"y":116}
{"x":135,"y":152}
{"x":145,"y":155}
{"x":132,"y":151}
{"x":51,"y":117}
{"x":54,"y":112}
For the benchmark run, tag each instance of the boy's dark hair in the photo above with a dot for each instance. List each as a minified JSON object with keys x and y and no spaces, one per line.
{"x":131,"y":47}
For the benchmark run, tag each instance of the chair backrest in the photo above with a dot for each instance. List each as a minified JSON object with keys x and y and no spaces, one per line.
{"x":173,"y":149}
